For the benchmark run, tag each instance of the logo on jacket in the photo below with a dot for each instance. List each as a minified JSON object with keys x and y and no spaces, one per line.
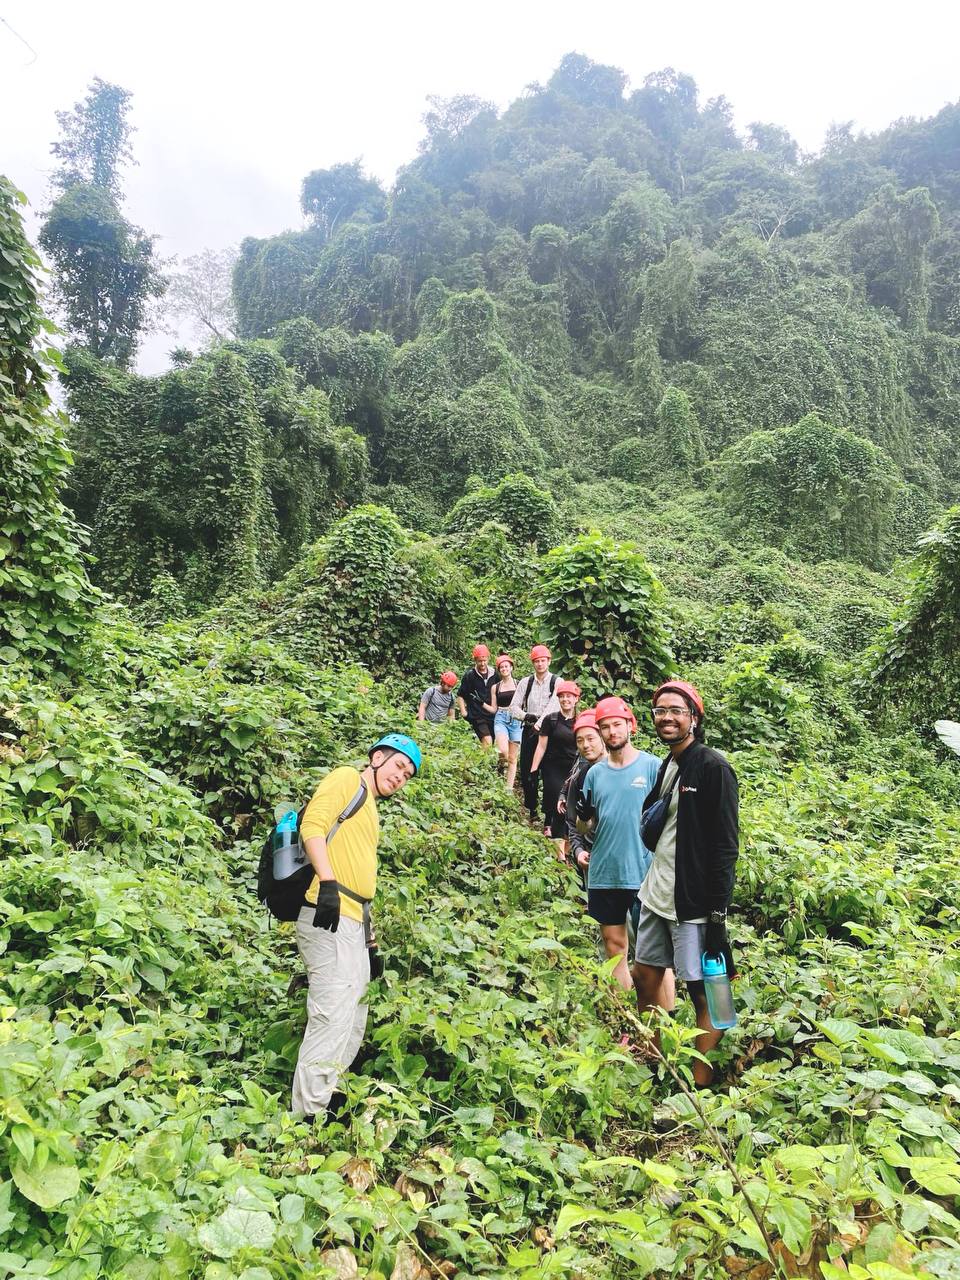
{"x":693,"y":789}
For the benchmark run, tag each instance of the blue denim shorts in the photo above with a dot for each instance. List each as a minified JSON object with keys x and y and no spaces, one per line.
{"x":504,"y":724}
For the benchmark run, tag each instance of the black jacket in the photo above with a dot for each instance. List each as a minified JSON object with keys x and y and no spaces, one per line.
{"x":572,"y":789}
{"x":708,"y":831}
{"x":475,"y":691}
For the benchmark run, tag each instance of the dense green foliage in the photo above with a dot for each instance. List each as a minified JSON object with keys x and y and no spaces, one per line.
{"x":598,"y":282}
{"x":915,"y":657}
{"x":528,"y":512}
{"x":219,"y":474}
{"x":600,"y":609}
{"x":578,"y":350}
{"x":622,"y":236}
{"x":820,"y":492}
{"x":44,"y":593}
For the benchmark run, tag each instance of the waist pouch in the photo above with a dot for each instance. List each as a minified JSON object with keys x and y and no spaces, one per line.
{"x":654,"y":819}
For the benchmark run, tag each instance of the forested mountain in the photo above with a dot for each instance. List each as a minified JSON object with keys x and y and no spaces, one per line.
{"x":595,"y":373}
{"x":598,"y":282}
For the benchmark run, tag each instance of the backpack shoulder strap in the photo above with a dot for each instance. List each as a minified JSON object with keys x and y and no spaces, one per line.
{"x":661,"y":774}
{"x":355,"y":805}
{"x":553,"y":683}
{"x":526,"y":693}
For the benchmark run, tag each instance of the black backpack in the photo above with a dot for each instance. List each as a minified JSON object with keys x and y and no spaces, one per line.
{"x":285,"y":898}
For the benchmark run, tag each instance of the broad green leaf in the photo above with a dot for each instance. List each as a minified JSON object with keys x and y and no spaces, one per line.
{"x":799,"y":1156}
{"x":575,"y":1215}
{"x":841,"y":1031}
{"x":941,"y":1177}
{"x":235,"y":1229}
{"x":6,"y":1213}
{"x":46,"y":1183}
{"x":791,"y":1217}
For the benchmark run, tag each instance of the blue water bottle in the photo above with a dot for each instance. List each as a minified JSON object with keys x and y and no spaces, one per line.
{"x":719,"y":992}
{"x":288,"y":857}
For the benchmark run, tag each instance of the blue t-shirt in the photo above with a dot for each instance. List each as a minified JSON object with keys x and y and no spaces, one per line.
{"x":619,"y":859}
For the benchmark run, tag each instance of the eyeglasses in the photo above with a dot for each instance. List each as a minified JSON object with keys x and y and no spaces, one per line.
{"x":659,"y":712}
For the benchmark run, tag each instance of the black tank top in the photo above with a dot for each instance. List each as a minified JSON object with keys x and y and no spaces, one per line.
{"x":504,"y":698}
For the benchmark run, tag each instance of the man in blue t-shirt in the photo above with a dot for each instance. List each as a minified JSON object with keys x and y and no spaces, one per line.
{"x":614,"y":791}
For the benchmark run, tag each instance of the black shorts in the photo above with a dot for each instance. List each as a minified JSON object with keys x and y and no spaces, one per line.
{"x":482,"y":728}
{"x":610,"y":906}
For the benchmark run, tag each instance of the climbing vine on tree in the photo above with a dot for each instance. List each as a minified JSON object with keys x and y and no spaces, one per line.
{"x":219,"y":473}
{"x":45,"y":597}
{"x":913,"y":662}
{"x":814,"y":488}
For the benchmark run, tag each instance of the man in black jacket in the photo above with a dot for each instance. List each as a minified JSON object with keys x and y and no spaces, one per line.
{"x":688,"y":887}
{"x":474,"y":693}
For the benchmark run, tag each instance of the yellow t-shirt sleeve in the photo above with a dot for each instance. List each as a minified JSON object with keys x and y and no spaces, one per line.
{"x":329,"y":800}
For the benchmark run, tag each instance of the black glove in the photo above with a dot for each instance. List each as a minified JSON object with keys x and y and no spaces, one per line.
{"x":716,"y":943}
{"x":376,"y":962}
{"x":530,"y":719}
{"x":327,"y":914}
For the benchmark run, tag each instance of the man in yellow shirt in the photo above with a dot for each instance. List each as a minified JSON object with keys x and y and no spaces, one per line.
{"x":334,"y":936}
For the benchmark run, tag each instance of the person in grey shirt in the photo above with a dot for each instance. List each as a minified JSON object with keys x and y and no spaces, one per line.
{"x":437,"y":702}
{"x":535,"y":698}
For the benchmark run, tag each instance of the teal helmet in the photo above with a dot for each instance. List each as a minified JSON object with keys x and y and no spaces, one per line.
{"x":402,"y":743}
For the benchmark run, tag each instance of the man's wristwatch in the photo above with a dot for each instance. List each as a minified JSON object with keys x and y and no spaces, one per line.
{"x":718,"y":917}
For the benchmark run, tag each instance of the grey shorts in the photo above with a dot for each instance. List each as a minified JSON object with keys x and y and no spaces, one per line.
{"x":669,"y":944}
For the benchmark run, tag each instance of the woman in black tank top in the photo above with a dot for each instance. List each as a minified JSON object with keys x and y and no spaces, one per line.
{"x":506,"y":731}
{"x":555,"y":755}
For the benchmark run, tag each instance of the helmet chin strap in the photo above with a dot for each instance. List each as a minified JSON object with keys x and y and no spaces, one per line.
{"x":376,"y":769}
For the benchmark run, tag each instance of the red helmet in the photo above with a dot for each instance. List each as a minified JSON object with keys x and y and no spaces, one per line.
{"x":539,"y":651}
{"x":502,"y":657}
{"x":680,"y":686}
{"x":449,"y":678}
{"x":585,"y":720}
{"x":614,"y":709}
{"x":568,"y":686}
{"x":481,"y":651}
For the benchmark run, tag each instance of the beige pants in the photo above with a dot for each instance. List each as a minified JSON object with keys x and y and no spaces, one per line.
{"x":338,"y":971}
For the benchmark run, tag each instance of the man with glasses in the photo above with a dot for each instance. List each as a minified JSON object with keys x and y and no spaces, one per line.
{"x":686,"y":892}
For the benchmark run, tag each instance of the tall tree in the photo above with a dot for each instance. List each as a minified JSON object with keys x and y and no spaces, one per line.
{"x":105,"y":269}
{"x":330,"y":197}
{"x":95,"y":139}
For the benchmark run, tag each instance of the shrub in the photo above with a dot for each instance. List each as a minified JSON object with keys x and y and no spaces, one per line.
{"x":358,"y":596}
{"x":600,"y":609}
{"x":631,"y":460}
{"x":915,"y":657}
{"x":758,"y":708}
{"x":679,"y":441}
{"x":529,"y":512}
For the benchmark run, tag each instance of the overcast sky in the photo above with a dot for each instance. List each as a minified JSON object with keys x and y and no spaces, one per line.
{"x":234,"y":103}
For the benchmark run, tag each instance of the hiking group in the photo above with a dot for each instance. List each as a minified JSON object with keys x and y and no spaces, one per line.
{"x":654,"y":843}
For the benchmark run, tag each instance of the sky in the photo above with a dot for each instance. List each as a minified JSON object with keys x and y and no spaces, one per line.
{"x":235,"y":102}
